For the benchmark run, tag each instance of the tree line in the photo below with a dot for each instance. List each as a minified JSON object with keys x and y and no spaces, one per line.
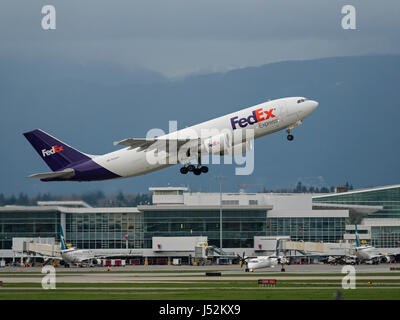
{"x":95,"y":199}
{"x":99,"y":199}
{"x":301,"y":188}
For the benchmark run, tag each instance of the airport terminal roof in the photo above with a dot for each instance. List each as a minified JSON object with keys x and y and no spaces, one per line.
{"x":325,"y":195}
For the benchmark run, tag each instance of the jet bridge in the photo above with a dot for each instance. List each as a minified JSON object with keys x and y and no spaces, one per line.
{"x":44,"y":249}
{"x":323,"y":248}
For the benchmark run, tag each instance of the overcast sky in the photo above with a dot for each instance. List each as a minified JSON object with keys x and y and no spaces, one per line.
{"x":178,"y":37}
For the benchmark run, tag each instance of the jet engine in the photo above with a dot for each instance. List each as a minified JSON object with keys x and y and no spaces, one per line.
{"x":217,"y":144}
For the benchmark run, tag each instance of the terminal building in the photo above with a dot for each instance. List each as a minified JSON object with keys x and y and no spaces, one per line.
{"x":230,"y":223}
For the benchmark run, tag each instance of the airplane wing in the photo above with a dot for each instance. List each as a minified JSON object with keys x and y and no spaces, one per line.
{"x":145,"y":144}
{"x":67,"y":173}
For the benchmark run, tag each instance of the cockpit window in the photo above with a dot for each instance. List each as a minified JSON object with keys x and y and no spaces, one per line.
{"x":302,"y":100}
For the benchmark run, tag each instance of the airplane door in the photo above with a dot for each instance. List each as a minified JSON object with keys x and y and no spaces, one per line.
{"x":289,"y":116}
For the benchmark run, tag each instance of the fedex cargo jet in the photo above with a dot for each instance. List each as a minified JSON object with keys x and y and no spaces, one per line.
{"x":67,"y":163}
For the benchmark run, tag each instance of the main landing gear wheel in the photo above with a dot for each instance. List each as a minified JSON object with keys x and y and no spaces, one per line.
{"x":191,"y":167}
{"x":290,"y":137}
{"x":184,"y":170}
{"x":197,"y":171}
{"x":204,"y":169}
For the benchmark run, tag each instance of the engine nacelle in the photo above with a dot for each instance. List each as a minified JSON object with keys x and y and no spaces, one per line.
{"x":217,"y":144}
{"x":242,"y":147}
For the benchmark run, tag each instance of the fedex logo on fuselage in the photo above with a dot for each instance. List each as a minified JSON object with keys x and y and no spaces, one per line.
{"x":256,"y":116}
{"x":53,"y":150}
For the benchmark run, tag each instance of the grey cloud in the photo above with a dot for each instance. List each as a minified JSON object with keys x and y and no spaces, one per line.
{"x":180,"y":36}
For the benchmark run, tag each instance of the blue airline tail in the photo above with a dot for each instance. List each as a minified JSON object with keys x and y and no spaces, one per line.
{"x":57,"y":154}
{"x":357,"y":238}
{"x":277,"y":248}
{"x":62,"y":239}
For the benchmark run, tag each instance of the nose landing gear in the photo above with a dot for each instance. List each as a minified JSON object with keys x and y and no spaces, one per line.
{"x":290,"y":136}
{"x":289,"y":130}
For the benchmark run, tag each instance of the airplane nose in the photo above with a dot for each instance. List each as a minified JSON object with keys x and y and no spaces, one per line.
{"x":314,"y":104}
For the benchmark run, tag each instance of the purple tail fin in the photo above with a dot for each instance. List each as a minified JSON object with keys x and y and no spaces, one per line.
{"x":55,"y":153}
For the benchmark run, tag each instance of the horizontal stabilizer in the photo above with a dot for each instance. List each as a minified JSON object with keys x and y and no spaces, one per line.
{"x":67,"y":173}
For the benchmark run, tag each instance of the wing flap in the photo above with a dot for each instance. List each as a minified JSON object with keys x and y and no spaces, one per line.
{"x":144,"y":144}
{"x":67,"y":173}
{"x":136,"y":143}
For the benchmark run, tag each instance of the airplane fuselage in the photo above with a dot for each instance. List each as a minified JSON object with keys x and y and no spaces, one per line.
{"x":263,"y":119}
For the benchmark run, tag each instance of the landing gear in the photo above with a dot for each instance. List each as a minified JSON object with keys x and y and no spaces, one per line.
{"x":204,"y":169}
{"x":184,"y":170}
{"x":196,"y":170}
{"x":290,"y":136}
{"x":289,"y":130}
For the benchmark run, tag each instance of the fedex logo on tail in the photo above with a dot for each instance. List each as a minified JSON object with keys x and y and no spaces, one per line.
{"x":256,"y":116}
{"x":51,"y":151}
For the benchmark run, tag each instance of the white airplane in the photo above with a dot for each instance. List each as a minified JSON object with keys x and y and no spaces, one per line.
{"x":83,"y":256}
{"x":264,"y":261}
{"x":70,"y":164}
{"x":366,"y":253}
{"x":74,"y":255}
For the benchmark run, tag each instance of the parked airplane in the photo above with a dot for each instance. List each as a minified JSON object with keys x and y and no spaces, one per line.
{"x":68,"y":163}
{"x":366,"y":253}
{"x":264,"y":261}
{"x":80,"y":256}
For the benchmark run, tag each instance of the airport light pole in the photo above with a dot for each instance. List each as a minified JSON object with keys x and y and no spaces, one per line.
{"x":219,"y":178}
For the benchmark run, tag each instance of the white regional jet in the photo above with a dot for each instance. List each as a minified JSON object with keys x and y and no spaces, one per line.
{"x":264,"y":261}
{"x":369,"y":253}
{"x":71,"y":256}
{"x":70,"y":164}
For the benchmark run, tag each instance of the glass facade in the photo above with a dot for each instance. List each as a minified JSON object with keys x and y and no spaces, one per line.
{"x":307,"y":229}
{"x":239,"y":226}
{"x":104,"y":230}
{"x":385,"y":237}
{"x":389,"y":198}
{"x":27,"y":224}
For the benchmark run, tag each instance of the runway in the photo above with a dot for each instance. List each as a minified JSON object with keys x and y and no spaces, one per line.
{"x":180,"y":274}
{"x":226,"y":269}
